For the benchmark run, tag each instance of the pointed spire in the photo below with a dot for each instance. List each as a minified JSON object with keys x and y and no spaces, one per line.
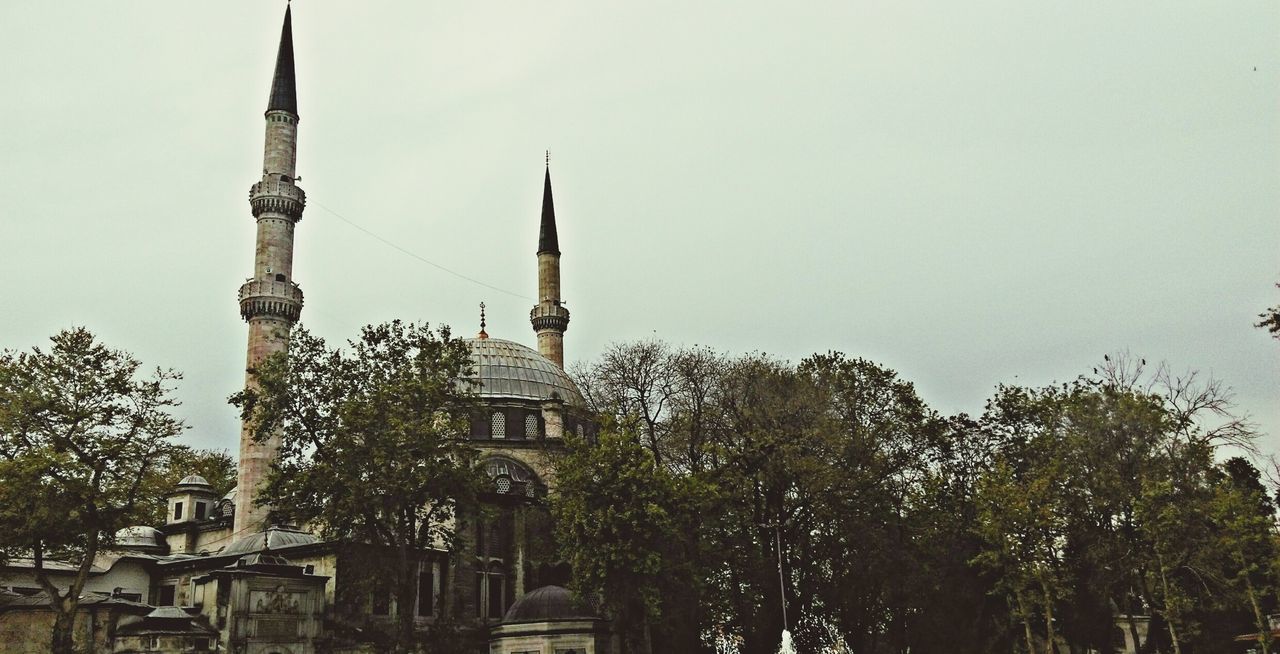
{"x":547,"y":240}
{"x":284,"y":92}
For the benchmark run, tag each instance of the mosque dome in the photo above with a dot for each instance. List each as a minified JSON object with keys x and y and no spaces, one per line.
{"x":549,"y":604}
{"x":274,"y":538}
{"x":506,"y":369}
{"x":140,"y":537}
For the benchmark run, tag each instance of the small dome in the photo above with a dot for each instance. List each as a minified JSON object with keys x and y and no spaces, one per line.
{"x":193,"y":484}
{"x":140,"y":536}
{"x":231,"y":495}
{"x":275,"y":538}
{"x":506,"y":369}
{"x":549,"y":604}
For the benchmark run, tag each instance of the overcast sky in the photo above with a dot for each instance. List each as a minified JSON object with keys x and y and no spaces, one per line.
{"x":967,"y":192}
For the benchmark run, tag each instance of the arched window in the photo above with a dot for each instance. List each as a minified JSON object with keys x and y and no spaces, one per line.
{"x":499,"y":425}
{"x":531,"y":426}
{"x":580,"y":431}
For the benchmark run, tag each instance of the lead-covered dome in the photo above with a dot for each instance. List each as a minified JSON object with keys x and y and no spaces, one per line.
{"x":549,"y":604}
{"x":140,"y":537}
{"x":274,"y":538}
{"x":194,"y":483}
{"x":506,"y":369}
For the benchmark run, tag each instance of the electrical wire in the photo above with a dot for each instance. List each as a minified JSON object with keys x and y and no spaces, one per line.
{"x":417,"y":256}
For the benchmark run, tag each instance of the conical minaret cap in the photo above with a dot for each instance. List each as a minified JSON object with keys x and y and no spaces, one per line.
{"x":284,"y":92}
{"x":547,"y":240}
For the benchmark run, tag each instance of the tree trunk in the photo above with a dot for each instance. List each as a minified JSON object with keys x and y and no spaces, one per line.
{"x":64,"y":628}
{"x":1264,"y":629}
{"x":1149,"y":598}
{"x":1051,"y":642}
{"x":1133,"y":625}
{"x":65,"y":605}
{"x":406,"y":584}
{"x":1026,"y":622}
{"x":1168,"y":619}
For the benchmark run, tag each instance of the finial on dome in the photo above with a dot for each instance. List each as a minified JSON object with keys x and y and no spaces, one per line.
{"x":483,"y":333}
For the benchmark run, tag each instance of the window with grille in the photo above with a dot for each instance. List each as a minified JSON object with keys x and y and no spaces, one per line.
{"x":504,"y":485}
{"x":531,"y":426}
{"x":499,"y":425}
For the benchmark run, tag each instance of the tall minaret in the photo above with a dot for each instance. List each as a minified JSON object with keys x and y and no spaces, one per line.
{"x":550,"y":318}
{"x":269,"y":301}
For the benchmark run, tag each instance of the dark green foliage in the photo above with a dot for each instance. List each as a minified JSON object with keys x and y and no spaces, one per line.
{"x":619,"y":520}
{"x":84,"y":441}
{"x":373,"y":444}
{"x":1037,"y":527}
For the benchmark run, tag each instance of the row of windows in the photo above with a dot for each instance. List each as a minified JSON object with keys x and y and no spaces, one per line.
{"x":177,"y":511}
{"x":498,"y":426}
{"x":502,"y":428}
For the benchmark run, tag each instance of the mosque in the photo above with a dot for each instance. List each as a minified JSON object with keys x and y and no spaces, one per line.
{"x":220,"y":576}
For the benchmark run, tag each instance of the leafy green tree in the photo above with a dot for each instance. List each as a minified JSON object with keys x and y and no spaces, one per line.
{"x":1113,"y":439}
{"x":373,"y":443}
{"x":1245,"y":527}
{"x":84,"y":441}
{"x":955,"y":605}
{"x":1022,"y":507}
{"x":775,"y":449}
{"x":877,"y":444}
{"x":618,"y":517}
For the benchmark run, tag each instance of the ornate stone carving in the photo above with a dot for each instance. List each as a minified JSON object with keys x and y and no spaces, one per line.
{"x":264,"y":297}
{"x":549,"y":316}
{"x":277,"y":196}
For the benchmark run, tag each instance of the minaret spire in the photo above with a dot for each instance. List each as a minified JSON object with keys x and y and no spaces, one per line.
{"x":270,"y":301}
{"x":284,"y":89}
{"x":549,"y":316}
{"x":547,"y":239}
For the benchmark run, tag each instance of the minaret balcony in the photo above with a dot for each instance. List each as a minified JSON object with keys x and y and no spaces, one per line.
{"x":266,"y":297}
{"x":277,"y":196}
{"x":548,"y":315}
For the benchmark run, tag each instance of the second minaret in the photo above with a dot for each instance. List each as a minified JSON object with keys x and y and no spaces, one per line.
{"x":270,"y":301}
{"x":549,"y":317}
